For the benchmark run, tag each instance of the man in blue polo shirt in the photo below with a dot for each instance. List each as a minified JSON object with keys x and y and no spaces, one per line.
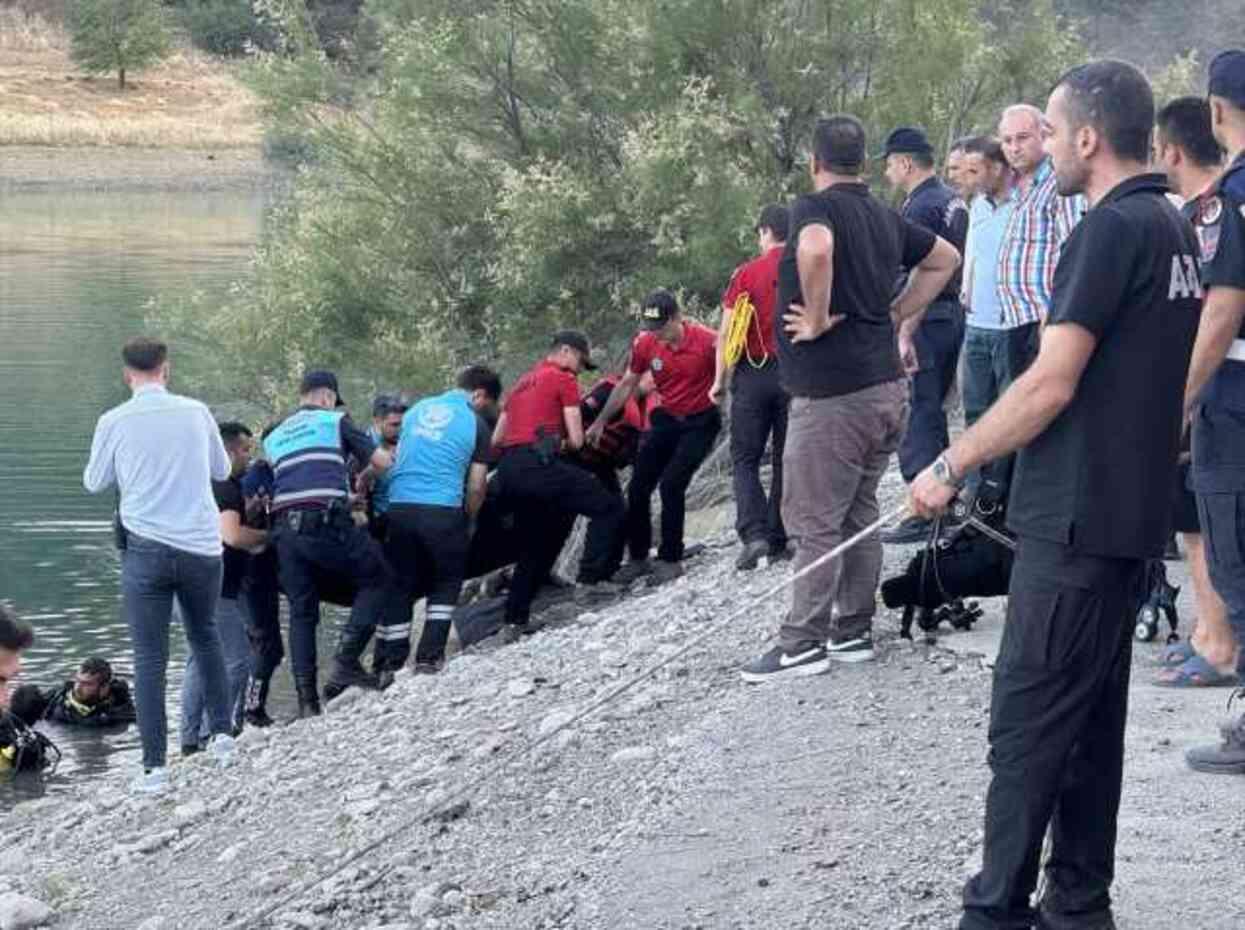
{"x":443,"y":448}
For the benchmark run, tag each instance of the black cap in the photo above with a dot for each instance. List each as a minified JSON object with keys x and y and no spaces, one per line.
{"x":385,"y":404}
{"x":907,"y":140}
{"x":658,"y":309}
{"x":577,"y":341}
{"x":1227,"y":77}
{"x":319,"y":378}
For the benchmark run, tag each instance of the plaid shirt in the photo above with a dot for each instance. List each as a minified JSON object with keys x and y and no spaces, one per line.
{"x":1040,"y":223}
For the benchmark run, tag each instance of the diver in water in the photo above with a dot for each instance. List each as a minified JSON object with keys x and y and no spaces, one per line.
{"x":93,"y":698}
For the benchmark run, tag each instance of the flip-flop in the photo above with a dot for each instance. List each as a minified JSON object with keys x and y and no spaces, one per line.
{"x":1195,"y":672}
{"x":1176,"y":654}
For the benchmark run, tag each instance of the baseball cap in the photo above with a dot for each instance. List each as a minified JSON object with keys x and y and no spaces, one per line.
{"x":577,"y":341}
{"x":658,"y":309}
{"x":1227,"y":77}
{"x":319,"y":378}
{"x":907,"y":140}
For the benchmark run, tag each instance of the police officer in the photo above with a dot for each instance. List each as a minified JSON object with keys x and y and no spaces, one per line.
{"x":541,"y":420}
{"x":1084,"y":506}
{"x":758,"y":401}
{"x":929,"y":343}
{"x":443,"y":447}
{"x":1215,"y":397}
{"x":315,"y":535}
{"x":387,"y":412}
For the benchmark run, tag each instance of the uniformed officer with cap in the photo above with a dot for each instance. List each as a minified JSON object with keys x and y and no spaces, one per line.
{"x":929,"y":343}
{"x":315,"y":536}
{"x":1215,"y":396}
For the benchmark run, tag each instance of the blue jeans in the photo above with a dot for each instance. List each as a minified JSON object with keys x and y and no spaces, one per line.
{"x":152,"y":575}
{"x":938,"y":340}
{"x":236,"y":647}
{"x":1223,"y":528}
{"x":993,"y":359}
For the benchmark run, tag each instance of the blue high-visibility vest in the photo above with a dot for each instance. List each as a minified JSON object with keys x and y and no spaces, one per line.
{"x":308,"y":459}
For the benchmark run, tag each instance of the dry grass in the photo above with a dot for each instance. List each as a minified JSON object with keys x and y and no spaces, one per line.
{"x":190,"y":101}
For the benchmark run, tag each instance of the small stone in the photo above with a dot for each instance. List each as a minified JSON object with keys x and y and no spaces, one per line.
{"x":425,"y":902}
{"x":555,"y":720}
{"x":149,"y":844}
{"x":520,"y":687}
{"x":153,"y":923}
{"x":19,"y":912}
{"x":634,"y":754}
{"x":190,"y":813}
{"x":230,"y":854}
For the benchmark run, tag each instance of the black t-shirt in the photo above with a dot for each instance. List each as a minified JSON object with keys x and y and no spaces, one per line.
{"x":1099,"y":478}
{"x":870,"y":241}
{"x":943,"y":212}
{"x":229,"y":497}
{"x":1219,"y":423}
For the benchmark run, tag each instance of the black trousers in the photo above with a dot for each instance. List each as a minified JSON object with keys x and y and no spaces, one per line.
{"x":1057,"y":714}
{"x":604,"y":548}
{"x":332,"y":555}
{"x":426,"y":548}
{"x":546,"y":494}
{"x":262,"y":594}
{"x":668,"y":458}
{"x":758,"y":411}
{"x":938,"y":340}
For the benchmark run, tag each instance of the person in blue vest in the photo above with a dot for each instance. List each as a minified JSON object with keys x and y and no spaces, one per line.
{"x":1215,"y":393}
{"x":436,"y":488}
{"x":315,"y":536}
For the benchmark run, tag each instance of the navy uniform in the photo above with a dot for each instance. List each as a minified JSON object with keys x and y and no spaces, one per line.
{"x":1218,"y":474}
{"x":318,"y":543}
{"x":938,"y":208}
{"x":1083,"y":510}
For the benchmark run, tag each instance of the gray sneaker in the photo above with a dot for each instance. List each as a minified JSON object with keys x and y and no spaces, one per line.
{"x":777,"y":665}
{"x":1228,"y":757}
{"x":751,"y":556}
{"x":859,"y":649}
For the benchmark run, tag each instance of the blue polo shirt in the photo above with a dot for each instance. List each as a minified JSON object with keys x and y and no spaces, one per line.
{"x":986,"y":228}
{"x":441,"y":437}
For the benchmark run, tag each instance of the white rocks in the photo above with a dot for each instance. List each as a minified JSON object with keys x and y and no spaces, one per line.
{"x":426,"y":902}
{"x":190,"y":813}
{"x":555,"y":720}
{"x":634,"y":754}
{"x":520,"y":687}
{"x":154,"y":923}
{"x":19,"y":912}
{"x":230,"y":855}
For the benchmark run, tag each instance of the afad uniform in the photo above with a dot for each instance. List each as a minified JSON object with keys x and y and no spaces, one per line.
{"x":317,"y":543}
{"x":1218,"y":474}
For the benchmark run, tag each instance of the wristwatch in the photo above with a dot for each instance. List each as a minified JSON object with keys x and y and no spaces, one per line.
{"x":944,"y":473}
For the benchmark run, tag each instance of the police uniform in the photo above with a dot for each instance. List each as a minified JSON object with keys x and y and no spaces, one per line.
{"x":261,"y":593}
{"x":428,"y":536}
{"x":315,"y":537}
{"x":1083,"y":508}
{"x":938,"y":208}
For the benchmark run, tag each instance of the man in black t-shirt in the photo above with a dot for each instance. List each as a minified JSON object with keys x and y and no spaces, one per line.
{"x":835,"y":326}
{"x":1097,"y":421}
{"x":230,"y":617}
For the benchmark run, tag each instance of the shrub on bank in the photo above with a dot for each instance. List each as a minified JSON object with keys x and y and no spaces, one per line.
{"x":226,"y":27}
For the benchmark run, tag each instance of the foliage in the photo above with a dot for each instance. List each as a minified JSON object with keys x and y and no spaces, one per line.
{"x":514,"y":166}
{"x":226,"y":27}
{"x":117,"y":35}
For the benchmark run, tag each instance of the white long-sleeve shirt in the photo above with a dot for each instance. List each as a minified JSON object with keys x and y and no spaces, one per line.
{"x":163,"y":451}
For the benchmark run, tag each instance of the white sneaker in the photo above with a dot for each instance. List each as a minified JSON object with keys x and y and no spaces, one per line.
{"x":153,"y":781}
{"x":221,"y":748}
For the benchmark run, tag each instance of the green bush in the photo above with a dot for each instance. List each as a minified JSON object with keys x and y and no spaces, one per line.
{"x":226,"y":27}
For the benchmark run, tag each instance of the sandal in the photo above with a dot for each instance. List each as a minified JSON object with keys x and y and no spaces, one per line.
{"x":1176,"y":654}
{"x":1195,"y":672}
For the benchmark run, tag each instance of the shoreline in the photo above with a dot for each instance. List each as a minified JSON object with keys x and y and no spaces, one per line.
{"x":30,"y":169}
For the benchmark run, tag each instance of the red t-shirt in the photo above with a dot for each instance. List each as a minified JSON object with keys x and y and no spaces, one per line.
{"x":759,"y":278}
{"x":534,"y":407}
{"x":683,"y":373}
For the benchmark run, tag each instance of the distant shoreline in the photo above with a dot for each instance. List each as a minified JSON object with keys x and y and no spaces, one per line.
{"x":115,"y":168}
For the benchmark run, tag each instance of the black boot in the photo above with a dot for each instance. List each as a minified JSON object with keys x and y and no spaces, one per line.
{"x":348,"y":671}
{"x":308,"y":698}
{"x":256,"y":714}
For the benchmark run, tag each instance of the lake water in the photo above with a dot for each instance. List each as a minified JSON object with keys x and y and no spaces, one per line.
{"x":75,"y":272}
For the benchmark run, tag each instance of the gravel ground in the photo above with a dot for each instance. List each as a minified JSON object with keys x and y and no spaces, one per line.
{"x":852,"y":800}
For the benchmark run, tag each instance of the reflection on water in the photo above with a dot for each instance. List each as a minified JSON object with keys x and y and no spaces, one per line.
{"x":75,"y":271}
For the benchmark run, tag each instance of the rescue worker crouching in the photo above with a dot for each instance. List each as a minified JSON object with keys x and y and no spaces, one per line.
{"x":444,"y":446}
{"x":540,"y":421}
{"x":94,"y":698}
{"x":315,"y":535}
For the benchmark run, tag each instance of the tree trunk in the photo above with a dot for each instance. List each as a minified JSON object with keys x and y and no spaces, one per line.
{"x":121,"y":78}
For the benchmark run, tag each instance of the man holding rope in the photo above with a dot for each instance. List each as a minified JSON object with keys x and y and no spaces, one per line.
{"x":1096,"y":418}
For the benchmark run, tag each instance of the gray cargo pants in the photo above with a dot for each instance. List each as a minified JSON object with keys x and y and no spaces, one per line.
{"x":837,"y":450}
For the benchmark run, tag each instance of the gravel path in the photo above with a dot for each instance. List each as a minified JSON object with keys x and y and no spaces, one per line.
{"x":851,"y":800}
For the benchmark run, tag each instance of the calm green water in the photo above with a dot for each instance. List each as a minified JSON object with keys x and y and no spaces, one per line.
{"x":75,"y":271}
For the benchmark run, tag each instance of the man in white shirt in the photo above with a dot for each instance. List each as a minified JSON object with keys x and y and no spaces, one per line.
{"x":162,"y":452}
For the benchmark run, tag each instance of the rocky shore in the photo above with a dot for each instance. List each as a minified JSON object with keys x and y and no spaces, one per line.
{"x":477,"y":799}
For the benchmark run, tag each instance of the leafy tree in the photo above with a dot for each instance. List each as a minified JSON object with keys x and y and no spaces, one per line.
{"x":117,"y":35}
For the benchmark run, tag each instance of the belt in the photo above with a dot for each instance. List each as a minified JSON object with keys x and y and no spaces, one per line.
{"x":310,"y":521}
{"x":1236,"y":351}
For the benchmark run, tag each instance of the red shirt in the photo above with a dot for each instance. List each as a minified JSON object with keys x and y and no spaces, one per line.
{"x":534,"y":407}
{"x":759,"y":278}
{"x":683,"y":373}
